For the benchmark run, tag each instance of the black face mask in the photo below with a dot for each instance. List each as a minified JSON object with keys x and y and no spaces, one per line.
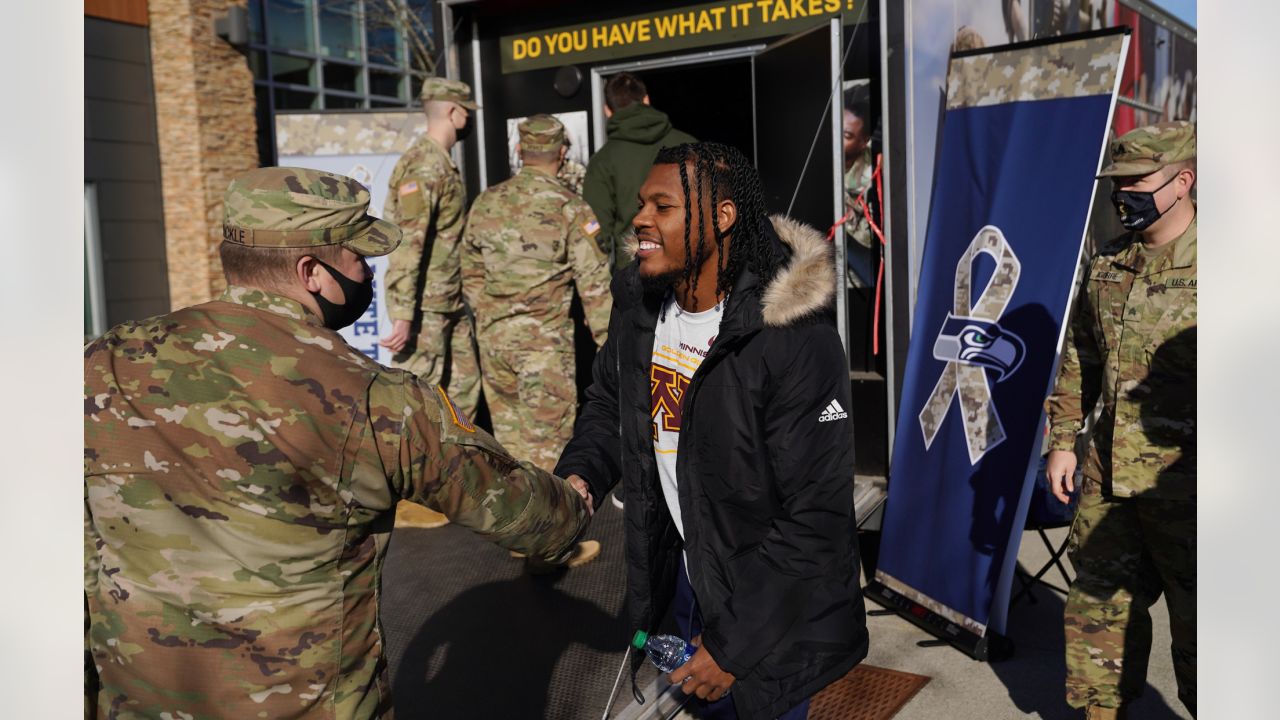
{"x":465,"y":132}
{"x":1137,"y":208}
{"x":357,"y":295}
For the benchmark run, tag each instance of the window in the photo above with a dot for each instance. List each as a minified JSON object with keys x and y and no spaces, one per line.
{"x":334,"y":54}
{"x":340,"y":30}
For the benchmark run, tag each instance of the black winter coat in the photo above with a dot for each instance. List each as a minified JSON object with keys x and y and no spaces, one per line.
{"x":765,"y":476}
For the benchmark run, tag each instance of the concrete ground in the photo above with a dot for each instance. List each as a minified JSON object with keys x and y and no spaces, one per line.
{"x":471,"y":635}
{"x":1029,"y":684}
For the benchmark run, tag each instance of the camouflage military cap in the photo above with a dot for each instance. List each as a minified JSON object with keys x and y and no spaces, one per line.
{"x":438,"y":88}
{"x":540,"y":133}
{"x":299,"y":207}
{"x":1144,"y":150}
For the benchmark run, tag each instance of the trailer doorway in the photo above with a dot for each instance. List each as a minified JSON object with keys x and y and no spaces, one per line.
{"x":711,"y":101}
{"x":707,"y":94}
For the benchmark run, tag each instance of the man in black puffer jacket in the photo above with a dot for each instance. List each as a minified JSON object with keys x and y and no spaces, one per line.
{"x":722,"y":346}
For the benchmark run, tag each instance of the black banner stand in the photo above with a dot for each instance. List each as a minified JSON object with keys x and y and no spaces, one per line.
{"x":990,"y":647}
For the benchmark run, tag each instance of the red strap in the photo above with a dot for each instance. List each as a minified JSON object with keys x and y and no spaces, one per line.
{"x":877,"y":175}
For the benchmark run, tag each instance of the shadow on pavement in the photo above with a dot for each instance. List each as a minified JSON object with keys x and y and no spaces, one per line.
{"x":491,"y":652}
{"x":469,"y":634}
{"x":1035,"y":675}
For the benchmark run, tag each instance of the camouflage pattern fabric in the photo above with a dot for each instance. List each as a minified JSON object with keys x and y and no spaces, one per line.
{"x":342,"y":134}
{"x":541,"y":133}
{"x":529,"y":242}
{"x":1126,"y":552}
{"x":438,"y":88}
{"x":425,"y":197}
{"x":242,"y":465}
{"x":857,"y":180}
{"x":445,"y":355}
{"x":1134,"y":306}
{"x":532,"y":400}
{"x":572,"y":174}
{"x":1144,"y":150}
{"x":860,"y":247}
{"x":1132,"y":348}
{"x":299,"y":208}
{"x":1077,"y":68}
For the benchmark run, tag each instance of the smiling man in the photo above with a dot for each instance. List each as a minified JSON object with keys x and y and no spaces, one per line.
{"x":720,"y":400}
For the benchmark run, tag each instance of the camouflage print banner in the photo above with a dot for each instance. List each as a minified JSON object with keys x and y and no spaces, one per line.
{"x":972,"y":342}
{"x":365,"y":133}
{"x":1077,"y":68}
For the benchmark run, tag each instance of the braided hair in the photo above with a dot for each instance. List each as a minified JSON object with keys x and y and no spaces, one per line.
{"x":722,"y":172}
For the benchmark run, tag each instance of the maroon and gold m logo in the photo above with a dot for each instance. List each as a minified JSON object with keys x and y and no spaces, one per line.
{"x":666,"y":388}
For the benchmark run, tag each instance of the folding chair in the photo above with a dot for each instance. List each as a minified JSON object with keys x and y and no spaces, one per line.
{"x":1047,"y":513}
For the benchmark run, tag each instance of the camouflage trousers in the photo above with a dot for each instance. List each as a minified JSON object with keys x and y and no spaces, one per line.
{"x":533,"y":400}
{"x":445,"y":355}
{"x":1127,"y":552}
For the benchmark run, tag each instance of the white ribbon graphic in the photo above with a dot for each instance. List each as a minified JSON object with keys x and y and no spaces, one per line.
{"x":968,"y":380}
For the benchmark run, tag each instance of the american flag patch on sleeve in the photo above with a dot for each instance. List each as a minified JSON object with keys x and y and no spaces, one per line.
{"x":591,"y":227}
{"x":409,"y":187}
{"x":459,"y":418}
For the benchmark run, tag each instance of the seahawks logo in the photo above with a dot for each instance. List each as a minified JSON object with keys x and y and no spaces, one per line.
{"x":980,"y":343}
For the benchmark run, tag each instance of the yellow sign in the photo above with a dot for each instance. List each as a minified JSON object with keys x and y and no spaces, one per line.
{"x":699,"y":25}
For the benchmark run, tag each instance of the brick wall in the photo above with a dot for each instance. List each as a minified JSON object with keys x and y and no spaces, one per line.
{"x":207,"y":133}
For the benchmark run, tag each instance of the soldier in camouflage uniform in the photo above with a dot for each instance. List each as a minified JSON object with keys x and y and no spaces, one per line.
{"x":529,"y":243}
{"x":1132,"y":351}
{"x":241,"y":464}
{"x":431,"y":332}
{"x":572,"y":173}
{"x":858,"y":167}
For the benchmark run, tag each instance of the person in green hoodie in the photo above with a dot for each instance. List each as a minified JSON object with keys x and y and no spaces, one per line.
{"x":615,"y":173}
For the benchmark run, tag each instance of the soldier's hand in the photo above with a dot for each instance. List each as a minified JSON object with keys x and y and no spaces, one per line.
{"x":702,"y":675}
{"x":1061,"y":469}
{"x":581,"y":486}
{"x":399,"y":336}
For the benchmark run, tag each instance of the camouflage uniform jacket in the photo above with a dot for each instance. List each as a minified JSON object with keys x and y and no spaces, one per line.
{"x":242,"y":466}
{"x":528,"y":242}
{"x":857,"y":180}
{"x":1132,"y":347}
{"x":425,"y":197}
{"x":572,"y":173}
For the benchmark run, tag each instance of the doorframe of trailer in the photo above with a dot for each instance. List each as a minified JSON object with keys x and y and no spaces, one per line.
{"x":748,"y":52}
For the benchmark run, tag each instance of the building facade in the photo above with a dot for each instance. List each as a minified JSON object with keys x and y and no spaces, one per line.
{"x":179,"y":99}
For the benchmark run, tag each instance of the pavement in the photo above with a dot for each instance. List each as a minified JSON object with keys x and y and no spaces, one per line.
{"x":1028,"y":684}
{"x":470,"y":634}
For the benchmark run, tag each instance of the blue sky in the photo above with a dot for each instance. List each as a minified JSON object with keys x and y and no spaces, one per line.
{"x":1184,"y":10}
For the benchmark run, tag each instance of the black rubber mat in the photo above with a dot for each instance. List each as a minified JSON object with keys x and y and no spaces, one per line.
{"x":471,"y":635}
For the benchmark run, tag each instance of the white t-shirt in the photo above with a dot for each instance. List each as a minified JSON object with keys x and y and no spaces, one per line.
{"x":680,"y":343}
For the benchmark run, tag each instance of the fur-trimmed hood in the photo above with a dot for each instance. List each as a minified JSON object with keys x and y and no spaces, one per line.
{"x":806,"y":286}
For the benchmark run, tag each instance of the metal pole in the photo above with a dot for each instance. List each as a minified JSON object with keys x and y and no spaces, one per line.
{"x":613,"y":694}
{"x":478,"y":87}
{"x":837,"y":183}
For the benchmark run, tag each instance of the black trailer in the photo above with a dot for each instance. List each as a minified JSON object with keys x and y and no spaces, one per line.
{"x":757,"y":75}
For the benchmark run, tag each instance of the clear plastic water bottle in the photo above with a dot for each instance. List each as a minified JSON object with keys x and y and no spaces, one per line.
{"x":666,"y":652}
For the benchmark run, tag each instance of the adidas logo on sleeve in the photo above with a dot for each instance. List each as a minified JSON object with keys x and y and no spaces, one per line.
{"x":832,"y":412}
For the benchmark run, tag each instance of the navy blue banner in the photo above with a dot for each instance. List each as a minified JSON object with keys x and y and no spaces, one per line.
{"x":1014,"y":186}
